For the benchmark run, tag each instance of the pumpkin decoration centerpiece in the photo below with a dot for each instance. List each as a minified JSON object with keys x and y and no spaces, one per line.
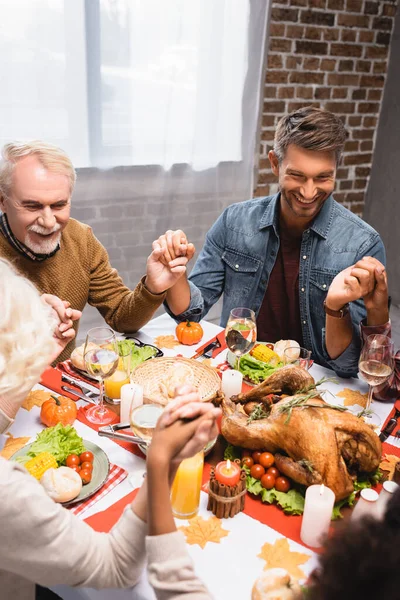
{"x":58,"y":409}
{"x":189,"y":333}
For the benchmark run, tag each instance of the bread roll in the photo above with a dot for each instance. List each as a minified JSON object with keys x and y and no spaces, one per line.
{"x":77,"y":357}
{"x":275,"y":584}
{"x":62,"y":484}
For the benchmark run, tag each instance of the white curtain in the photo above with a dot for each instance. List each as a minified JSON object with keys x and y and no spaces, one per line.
{"x":156,"y":101}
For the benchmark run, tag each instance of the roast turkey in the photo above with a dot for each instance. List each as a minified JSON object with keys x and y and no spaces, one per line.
{"x":315,"y":445}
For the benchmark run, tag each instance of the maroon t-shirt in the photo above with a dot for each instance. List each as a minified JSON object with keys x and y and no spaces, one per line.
{"x":279,"y":316}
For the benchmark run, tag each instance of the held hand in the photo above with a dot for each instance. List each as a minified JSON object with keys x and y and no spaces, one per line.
{"x":175,"y":244}
{"x":176,"y":438}
{"x":64,"y":316}
{"x":160,"y":275}
{"x":377,"y":299}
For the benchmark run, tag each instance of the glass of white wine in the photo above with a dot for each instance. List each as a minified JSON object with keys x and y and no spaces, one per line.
{"x":101,"y":361}
{"x":241,"y":332}
{"x":376,"y":362}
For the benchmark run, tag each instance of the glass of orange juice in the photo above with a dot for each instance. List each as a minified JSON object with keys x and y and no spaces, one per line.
{"x":113,"y":384}
{"x":185,"y":493}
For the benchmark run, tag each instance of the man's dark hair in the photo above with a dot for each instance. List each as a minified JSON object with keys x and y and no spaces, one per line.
{"x":361,"y":560}
{"x":312,"y":129}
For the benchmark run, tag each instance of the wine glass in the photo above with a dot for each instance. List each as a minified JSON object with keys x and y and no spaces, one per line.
{"x":376,"y":362}
{"x":241,"y":332}
{"x":101,"y":360}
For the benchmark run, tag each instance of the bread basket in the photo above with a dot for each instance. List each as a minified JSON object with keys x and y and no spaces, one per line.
{"x":153,"y":372}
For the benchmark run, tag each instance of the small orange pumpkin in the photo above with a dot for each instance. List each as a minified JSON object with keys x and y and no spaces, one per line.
{"x":58,"y":410}
{"x":189,"y":333}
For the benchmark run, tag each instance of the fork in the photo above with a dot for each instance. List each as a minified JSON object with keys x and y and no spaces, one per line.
{"x":208,"y":350}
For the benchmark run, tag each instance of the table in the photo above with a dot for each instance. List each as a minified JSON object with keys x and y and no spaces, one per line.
{"x":238,"y":552}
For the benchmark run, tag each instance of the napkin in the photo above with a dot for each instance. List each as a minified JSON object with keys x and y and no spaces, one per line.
{"x":115,"y":476}
{"x":216,"y":351}
{"x":67,"y":367}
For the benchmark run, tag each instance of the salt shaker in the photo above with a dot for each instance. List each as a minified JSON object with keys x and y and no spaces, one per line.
{"x":366,"y":505}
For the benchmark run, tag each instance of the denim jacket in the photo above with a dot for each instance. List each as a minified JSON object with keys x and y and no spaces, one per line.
{"x":240,"y":251}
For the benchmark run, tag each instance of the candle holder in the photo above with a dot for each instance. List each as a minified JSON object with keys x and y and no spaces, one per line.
{"x":226,"y":501}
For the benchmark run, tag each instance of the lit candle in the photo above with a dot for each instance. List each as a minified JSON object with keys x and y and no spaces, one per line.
{"x":131,"y":396}
{"x":227,"y":472}
{"x":317,"y":515}
{"x":231,"y":383}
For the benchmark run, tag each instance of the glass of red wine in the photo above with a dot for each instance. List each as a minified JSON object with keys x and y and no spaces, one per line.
{"x":241,"y":332}
{"x":376,"y":362}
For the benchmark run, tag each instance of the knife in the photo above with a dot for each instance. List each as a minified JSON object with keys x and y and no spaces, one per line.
{"x":78,"y":394}
{"x":391,"y":425}
{"x":211,"y":346}
{"x":80,"y":384}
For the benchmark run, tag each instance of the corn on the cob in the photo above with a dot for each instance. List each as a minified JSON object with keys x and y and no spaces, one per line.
{"x":265,"y":354}
{"x":40,"y":464}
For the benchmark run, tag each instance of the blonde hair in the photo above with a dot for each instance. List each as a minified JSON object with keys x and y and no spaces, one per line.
{"x":51,"y":157}
{"x":26,"y":333}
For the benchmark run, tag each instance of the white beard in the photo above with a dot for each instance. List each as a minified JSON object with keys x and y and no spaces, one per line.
{"x":45,"y":247}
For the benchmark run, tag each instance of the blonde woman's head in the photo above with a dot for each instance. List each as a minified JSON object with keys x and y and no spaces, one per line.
{"x":26,"y":334}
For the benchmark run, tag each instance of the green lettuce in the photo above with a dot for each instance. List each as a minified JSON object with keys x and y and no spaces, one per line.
{"x":232,"y":452}
{"x":138,"y":353}
{"x":256,"y":370}
{"x":60,"y":441}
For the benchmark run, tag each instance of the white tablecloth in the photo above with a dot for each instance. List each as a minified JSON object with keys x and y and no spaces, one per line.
{"x":228,"y":568}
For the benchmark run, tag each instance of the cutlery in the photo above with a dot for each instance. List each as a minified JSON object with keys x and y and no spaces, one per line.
{"x":84,"y":387}
{"x":79,"y":394}
{"x":391,"y":425}
{"x":208,"y":350}
{"x":111,"y":431}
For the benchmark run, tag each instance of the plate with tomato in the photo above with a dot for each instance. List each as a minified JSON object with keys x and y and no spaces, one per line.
{"x":92,"y":465}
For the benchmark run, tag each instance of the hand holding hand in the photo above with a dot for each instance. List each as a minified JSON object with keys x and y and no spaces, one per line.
{"x":65,"y":316}
{"x":167,"y":263}
{"x":351,"y":284}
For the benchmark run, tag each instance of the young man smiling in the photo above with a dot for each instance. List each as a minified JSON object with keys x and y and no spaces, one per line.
{"x":288,"y":256}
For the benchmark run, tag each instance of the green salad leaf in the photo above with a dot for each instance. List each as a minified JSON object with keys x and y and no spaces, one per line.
{"x":232,"y":452}
{"x":256,"y":370}
{"x":138,"y":353}
{"x":60,"y":441}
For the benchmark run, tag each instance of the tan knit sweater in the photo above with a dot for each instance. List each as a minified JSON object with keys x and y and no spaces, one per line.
{"x":80,"y":272}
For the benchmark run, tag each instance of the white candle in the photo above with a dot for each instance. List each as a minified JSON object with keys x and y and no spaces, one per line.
{"x":388,"y":489}
{"x":317,"y":515}
{"x":231,"y":383}
{"x":131,"y":396}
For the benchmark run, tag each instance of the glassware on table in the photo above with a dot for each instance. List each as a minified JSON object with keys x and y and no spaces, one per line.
{"x":143,"y":419}
{"x":185,"y":492}
{"x":301,"y":357}
{"x":241,"y":332}
{"x":376,"y":362}
{"x":113,"y":384}
{"x":101,"y":361}
{"x":388,"y":489}
{"x":366,"y":505}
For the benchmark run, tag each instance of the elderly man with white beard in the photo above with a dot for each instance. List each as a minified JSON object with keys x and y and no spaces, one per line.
{"x":60,"y":255}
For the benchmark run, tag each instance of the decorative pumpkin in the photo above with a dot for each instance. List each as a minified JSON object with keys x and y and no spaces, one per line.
{"x":58,"y":410}
{"x":189,"y":333}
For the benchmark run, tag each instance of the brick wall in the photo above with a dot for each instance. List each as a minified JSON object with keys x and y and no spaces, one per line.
{"x":330,"y":53}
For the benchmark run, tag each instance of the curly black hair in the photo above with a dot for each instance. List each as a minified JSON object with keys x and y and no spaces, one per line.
{"x":361,"y":560}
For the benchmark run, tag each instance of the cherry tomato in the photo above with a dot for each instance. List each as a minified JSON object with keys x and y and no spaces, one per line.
{"x":76,"y":468}
{"x":86,"y":476}
{"x":257,"y":471}
{"x":247,"y":462}
{"x":266,"y":460}
{"x":268,"y":481}
{"x":256,"y":456}
{"x":246,"y":453}
{"x":87,"y":465}
{"x":282,"y":484}
{"x":273,"y":471}
{"x":73,"y":459}
{"x":87,"y":456}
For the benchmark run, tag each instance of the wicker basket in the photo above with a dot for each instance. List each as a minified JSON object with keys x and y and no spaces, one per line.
{"x":151,"y":373}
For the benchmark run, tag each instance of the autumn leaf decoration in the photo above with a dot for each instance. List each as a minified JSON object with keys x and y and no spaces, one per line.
{"x":388,"y":464}
{"x":351,"y":397}
{"x":166,"y":341}
{"x":35,"y":398}
{"x":200,"y":531}
{"x":280,"y":555}
{"x":12,"y":445}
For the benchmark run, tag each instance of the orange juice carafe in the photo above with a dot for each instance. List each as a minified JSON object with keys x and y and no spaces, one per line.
{"x":185,"y":493}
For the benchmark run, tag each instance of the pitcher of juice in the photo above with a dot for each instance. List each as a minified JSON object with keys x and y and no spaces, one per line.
{"x":185,"y":493}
